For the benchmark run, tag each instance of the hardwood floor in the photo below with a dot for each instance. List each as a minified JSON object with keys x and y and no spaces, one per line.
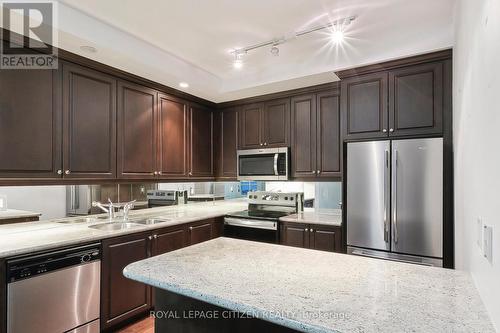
{"x":147,"y":325}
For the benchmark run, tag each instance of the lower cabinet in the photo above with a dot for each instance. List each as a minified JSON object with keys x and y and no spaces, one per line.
{"x":312,"y":236}
{"x":122,"y":298}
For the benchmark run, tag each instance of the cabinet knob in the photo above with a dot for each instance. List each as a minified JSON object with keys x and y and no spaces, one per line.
{"x":265,"y":143}
{"x":155,"y":236}
{"x":311,"y":230}
{"x":155,"y":173}
{"x":150,"y":237}
{"x":313,"y":172}
{"x":159,"y":172}
{"x":391,"y":130}
{"x":59,"y":172}
{"x":261,"y":144}
{"x":306,"y":230}
{"x":190,"y":228}
{"x":67,"y":172}
{"x":384,"y":130}
{"x":318,"y":171}
{"x":190,"y":173}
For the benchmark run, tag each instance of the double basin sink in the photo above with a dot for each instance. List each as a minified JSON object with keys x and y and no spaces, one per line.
{"x":118,"y":224}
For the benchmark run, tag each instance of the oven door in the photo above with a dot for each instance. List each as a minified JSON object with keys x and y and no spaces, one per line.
{"x":263,"y":164}
{"x":249,"y":229}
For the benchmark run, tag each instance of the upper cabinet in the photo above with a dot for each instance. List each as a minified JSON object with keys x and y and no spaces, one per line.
{"x":30,"y":124}
{"x":137,"y":131}
{"x":316,"y":137}
{"x":89,"y":115}
{"x":173,"y":135}
{"x":265,"y":124}
{"x":226,"y":143}
{"x":364,"y":106}
{"x":416,"y":100}
{"x":201,"y":164}
{"x":397,"y":100}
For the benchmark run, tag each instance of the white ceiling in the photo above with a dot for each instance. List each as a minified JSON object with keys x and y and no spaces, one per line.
{"x":188,"y":40}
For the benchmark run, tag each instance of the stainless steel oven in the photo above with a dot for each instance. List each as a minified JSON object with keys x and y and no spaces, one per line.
{"x":263,"y":164}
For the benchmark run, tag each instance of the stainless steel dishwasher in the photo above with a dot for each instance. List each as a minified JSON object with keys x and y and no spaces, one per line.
{"x":55,"y":292}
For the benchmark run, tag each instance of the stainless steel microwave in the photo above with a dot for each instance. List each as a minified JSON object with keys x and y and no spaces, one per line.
{"x":263,"y":164}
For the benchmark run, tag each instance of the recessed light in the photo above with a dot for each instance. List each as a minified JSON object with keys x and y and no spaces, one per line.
{"x":238,"y":63}
{"x":337,"y":36}
{"x":88,"y":48}
{"x":184,"y":85}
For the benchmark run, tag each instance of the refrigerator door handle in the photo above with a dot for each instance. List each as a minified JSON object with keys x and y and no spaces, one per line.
{"x":395,"y":196}
{"x":386,"y":210}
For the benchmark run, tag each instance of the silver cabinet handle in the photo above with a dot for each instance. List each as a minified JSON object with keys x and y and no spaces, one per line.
{"x":265,"y":143}
{"x":384,"y":130}
{"x":150,"y":237}
{"x":190,"y":173}
{"x":59,"y":172}
{"x":395,"y":195}
{"x":155,"y":173}
{"x":155,"y":236}
{"x":67,"y":172}
{"x":261,"y":144}
{"x":159,"y":172}
{"x":306,"y":230}
{"x":190,"y":228}
{"x":313,"y":172}
{"x":391,"y":130}
{"x":311,"y":230}
{"x":318,"y":172}
{"x":386,"y":211}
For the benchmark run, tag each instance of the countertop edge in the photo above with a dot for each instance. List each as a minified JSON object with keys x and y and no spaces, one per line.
{"x":225,"y":303}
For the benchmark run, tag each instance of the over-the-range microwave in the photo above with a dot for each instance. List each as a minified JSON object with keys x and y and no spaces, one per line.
{"x":263,"y":164}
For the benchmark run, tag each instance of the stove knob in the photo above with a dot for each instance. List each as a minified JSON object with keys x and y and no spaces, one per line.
{"x":286,"y":198}
{"x":85,"y":258}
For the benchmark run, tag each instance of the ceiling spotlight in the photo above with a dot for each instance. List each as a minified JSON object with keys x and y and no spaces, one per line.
{"x":238,"y":59}
{"x":238,"y":63}
{"x":275,"y":51}
{"x":337,"y":36}
{"x":184,"y":85}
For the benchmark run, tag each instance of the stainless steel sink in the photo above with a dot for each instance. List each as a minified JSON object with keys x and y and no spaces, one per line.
{"x":111,"y":226}
{"x":82,"y":220}
{"x":153,"y":221}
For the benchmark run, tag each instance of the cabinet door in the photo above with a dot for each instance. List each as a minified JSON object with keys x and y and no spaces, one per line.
{"x":172,"y":150}
{"x":121,"y":297}
{"x":416,"y":100}
{"x":325,"y":238}
{"x":303,"y":136}
{"x":200,"y":232}
{"x":228,"y":144}
{"x":169,"y":239}
{"x":295,"y":234}
{"x":137,"y":127}
{"x":276,"y":123}
{"x":329,"y":142}
{"x":30,"y":123}
{"x":364,"y":106}
{"x":201,"y":142}
{"x":89,"y":113}
{"x":250,"y":126}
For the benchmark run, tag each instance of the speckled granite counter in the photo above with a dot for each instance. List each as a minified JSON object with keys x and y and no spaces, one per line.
{"x":331,"y":217}
{"x":22,"y":238}
{"x":16,"y":213}
{"x":316,"y":291}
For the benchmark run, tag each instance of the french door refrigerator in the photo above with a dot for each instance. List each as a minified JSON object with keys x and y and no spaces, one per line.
{"x":395,"y":200}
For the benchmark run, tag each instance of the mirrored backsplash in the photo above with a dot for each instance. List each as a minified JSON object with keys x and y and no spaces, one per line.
{"x":71,"y":200}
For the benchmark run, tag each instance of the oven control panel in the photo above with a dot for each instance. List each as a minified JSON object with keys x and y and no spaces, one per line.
{"x":275,"y":198}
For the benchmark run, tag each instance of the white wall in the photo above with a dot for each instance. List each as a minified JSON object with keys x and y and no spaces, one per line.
{"x":48,"y":200}
{"x":477,"y":142}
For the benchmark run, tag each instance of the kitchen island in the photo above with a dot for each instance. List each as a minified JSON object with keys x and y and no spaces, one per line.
{"x":309,"y":291}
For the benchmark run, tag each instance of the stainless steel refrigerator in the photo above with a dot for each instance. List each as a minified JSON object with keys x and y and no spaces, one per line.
{"x":395,"y":200}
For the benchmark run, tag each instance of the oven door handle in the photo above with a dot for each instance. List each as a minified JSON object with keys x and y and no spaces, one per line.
{"x":248,"y":223}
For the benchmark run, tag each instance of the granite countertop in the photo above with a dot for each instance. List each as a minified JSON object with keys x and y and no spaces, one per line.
{"x":16,"y":213}
{"x":317,"y":291}
{"x":29,"y":237}
{"x":331,"y":217}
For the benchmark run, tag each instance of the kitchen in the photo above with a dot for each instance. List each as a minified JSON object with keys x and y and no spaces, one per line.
{"x":328,"y":169}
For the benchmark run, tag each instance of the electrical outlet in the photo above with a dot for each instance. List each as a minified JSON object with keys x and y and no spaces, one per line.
{"x":488,"y":243}
{"x":479,"y":232}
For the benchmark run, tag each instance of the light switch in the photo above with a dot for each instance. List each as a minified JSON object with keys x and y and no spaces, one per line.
{"x":488,"y":243}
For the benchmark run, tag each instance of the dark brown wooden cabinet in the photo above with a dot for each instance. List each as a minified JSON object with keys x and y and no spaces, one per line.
{"x":404,"y":101}
{"x":250,"y":126}
{"x":265,"y":124}
{"x":201,"y":154}
{"x":226,"y":143}
{"x":416,"y":100}
{"x":30,"y":124}
{"x":168,"y":239}
{"x":89,"y":116}
{"x":137,"y":131}
{"x":172,"y":137}
{"x":123,"y":298}
{"x":200,"y":232}
{"x":312,"y":236}
{"x":364,"y":106}
{"x":316,"y":136}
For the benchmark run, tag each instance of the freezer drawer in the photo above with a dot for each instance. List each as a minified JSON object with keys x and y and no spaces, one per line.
{"x":417,"y":197}
{"x":368,"y":197}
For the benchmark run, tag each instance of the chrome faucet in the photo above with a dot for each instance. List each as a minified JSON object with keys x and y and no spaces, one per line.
{"x":109,"y":208}
{"x":126,"y":208}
